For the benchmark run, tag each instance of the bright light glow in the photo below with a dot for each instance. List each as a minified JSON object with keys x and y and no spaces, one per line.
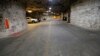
{"x":50,"y":8}
{"x":29,"y":11}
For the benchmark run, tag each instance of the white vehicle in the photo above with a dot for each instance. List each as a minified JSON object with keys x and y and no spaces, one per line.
{"x":32,"y":20}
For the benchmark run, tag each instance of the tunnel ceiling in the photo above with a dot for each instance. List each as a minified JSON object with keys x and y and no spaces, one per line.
{"x":43,"y":5}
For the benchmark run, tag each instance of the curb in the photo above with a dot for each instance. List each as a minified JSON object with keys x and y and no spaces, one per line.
{"x":17,"y":34}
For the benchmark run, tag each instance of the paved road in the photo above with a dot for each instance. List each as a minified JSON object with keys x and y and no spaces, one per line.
{"x":54,"y":38}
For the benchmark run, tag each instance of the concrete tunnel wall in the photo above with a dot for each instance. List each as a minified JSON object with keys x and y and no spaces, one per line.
{"x":86,"y":14}
{"x":16,"y":15}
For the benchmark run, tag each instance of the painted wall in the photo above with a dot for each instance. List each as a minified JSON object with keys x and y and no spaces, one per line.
{"x":86,"y":14}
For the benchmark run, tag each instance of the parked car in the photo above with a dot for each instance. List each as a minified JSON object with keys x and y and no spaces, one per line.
{"x":32,"y":20}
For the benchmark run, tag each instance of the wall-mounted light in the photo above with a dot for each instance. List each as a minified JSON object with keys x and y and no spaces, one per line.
{"x":29,"y":11}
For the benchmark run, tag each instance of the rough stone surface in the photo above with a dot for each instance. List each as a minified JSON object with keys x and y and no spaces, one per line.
{"x":15,"y":13}
{"x":86,"y":14}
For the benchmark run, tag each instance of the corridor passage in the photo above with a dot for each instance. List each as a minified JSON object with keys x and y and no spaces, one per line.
{"x":52,"y":38}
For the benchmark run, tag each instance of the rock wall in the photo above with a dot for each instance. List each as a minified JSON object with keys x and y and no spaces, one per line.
{"x":15,"y":14}
{"x":86,"y":14}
